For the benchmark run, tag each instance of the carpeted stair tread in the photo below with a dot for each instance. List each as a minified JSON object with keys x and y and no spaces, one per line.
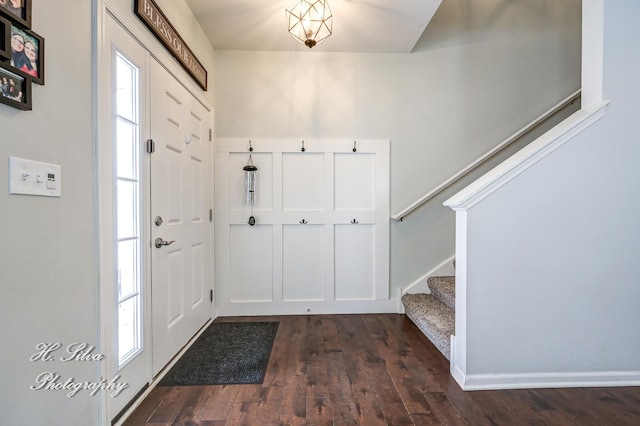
{"x":435,"y":319}
{"x":443,"y":289}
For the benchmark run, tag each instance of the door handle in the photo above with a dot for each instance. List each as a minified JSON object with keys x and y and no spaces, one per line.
{"x":160,"y":242}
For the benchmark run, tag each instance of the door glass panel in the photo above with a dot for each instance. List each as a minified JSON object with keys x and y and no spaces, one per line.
{"x":127,"y":75}
{"x":126,"y":148}
{"x":127,"y":268}
{"x":128,"y":328}
{"x":127,"y":208}
{"x":127,"y":184}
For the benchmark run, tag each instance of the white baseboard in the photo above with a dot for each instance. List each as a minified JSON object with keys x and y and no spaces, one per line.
{"x":472,"y":382}
{"x":420,"y":285}
{"x":452,"y":354}
{"x":307,"y":308}
{"x":400,"y":304}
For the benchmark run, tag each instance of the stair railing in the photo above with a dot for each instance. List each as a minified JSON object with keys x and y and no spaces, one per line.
{"x":398,"y":217}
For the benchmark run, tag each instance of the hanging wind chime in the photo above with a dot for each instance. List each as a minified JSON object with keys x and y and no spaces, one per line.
{"x":250,"y":185}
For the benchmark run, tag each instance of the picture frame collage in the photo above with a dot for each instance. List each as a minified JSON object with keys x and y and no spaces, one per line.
{"x":21,"y":54}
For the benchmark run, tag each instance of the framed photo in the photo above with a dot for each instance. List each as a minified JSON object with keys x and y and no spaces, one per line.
{"x":15,"y":90}
{"x":27,"y":54}
{"x":17,"y":10}
{"x":5,"y":38}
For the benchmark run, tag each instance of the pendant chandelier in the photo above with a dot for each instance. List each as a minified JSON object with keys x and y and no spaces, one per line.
{"x":310,"y":21}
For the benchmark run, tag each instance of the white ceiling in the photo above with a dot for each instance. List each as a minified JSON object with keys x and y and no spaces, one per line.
{"x":380,"y":26}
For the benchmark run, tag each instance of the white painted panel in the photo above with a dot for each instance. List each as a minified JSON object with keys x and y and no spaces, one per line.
{"x":196,"y":187}
{"x":197,"y":131}
{"x":303,"y":181}
{"x":174,"y":109}
{"x":354,"y":262}
{"x":251,"y":258}
{"x":306,"y":274}
{"x":303,"y":262}
{"x":355,"y":181}
{"x":174,"y":184}
{"x":198,"y":290}
{"x":175,"y":295}
{"x":264,"y":181}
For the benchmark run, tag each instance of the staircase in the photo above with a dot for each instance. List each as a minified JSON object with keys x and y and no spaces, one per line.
{"x":434,"y":314}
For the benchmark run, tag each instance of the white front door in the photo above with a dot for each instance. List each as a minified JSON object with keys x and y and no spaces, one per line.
{"x":153,"y":300}
{"x":181,"y":259}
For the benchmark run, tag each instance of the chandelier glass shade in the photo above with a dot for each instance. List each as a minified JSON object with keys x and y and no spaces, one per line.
{"x":310,"y":21}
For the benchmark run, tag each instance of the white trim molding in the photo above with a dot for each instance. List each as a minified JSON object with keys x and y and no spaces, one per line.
{"x":545,"y":380}
{"x":525,"y":158}
{"x":444,"y":268}
{"x":458,"y":351}
{"x":592,"y":53}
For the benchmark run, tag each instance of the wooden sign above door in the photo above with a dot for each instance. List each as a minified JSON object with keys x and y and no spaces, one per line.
{"x":149,"y":12}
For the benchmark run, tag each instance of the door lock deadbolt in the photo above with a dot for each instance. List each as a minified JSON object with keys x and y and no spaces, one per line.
{"x":158,"y":221}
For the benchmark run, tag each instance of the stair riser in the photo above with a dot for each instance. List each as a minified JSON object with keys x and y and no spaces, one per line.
{"x":433,"y":318}
{"x":441,"y":341}
{"x":443,"y":289}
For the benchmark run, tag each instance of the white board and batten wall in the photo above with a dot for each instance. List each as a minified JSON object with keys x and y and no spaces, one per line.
{"x":320,"y":243}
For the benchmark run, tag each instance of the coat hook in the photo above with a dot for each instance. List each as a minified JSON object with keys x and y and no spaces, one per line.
{"x":250,"y":147}
{"x":354,"y":146}
{"x":354,"y":222}
{"x":303,"y":150}
{"x":303,"y":222}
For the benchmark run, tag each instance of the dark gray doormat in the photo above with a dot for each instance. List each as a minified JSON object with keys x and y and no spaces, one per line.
{"x":226,"y":353}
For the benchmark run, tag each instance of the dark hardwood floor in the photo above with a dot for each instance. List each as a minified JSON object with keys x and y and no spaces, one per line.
{"x":372,"y":370}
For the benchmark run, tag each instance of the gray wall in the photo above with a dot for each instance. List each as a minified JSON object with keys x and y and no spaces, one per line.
{"x":481,"y":71}
{"x":49,"y":253}
{"x":553,"y":257}
{"x":48,"y":261}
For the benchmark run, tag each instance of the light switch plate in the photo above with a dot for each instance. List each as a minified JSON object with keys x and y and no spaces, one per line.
{"x":29,"y":177}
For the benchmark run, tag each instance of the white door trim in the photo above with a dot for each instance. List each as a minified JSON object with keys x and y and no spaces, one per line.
{"x":105,"y":162}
